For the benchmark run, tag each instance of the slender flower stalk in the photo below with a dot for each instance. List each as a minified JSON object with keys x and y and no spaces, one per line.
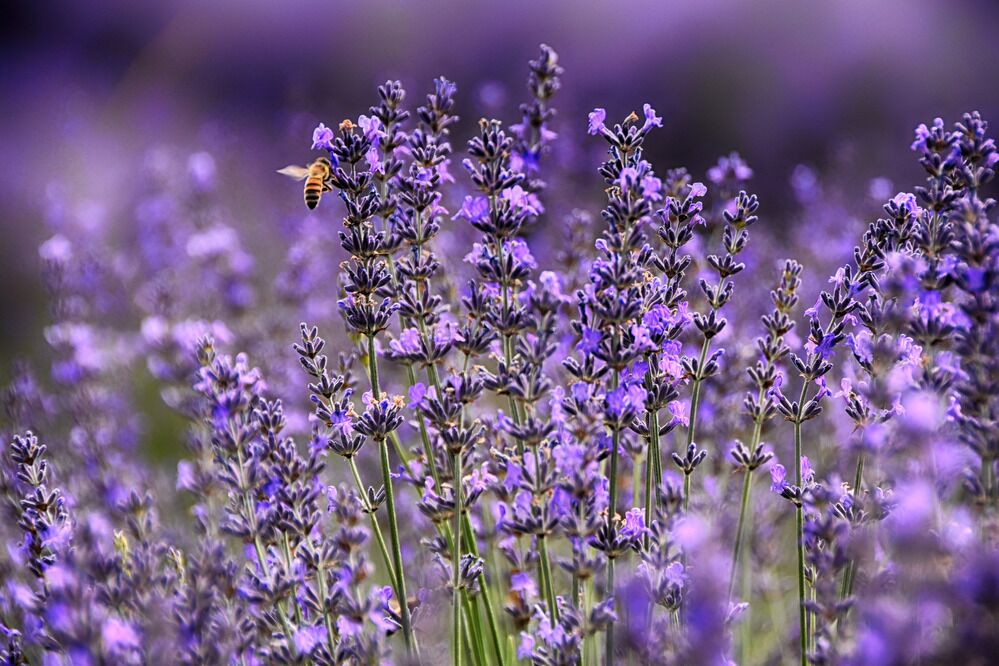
{"x":456,"y":563}
{"x":383,"y":454}
{"x":803,"y":627}
{"x":761,"y":407}
{"x":367,"y":316}
{"x":738,"y":219}
{"x":849,"y":282}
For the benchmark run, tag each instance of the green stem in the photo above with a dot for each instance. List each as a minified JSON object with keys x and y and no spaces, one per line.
{"x":744,"y":506}
{"x":695,"y":399}
{"x":746,"y":624}
{"x":331,"y":633}
{"x":456,"y":563}
{"x":611,"y":516}
{"x":544,"y":563}
{"x":400,"y":577}
{"x":282,"y":616}
{"x":585,"y":647}
{"x":987,"y":479}
{"x":424,"y":437}
{"x":478,"y":651}
{"x":473,"y":548}
{"x":847,"y":588}
{"x":260,"y":550}
{"x":737,"y":550}
{"x":375,"y":527}
{"x":800,"y":535}
{"x":579,"y":587}
{"x":648,"y":489}
{"x":434,"y":378}
{"x":653,"y":462}
{"x":858,"y":477}
{"x":546,"y":573}
{"x":288,"y":560}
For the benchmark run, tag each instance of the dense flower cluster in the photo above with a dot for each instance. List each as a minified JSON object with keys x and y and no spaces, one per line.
{"x":516,"y":454}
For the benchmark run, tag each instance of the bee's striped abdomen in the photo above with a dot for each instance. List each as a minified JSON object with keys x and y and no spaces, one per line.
{"x":315,"y":184}
{"x":313,"y":190}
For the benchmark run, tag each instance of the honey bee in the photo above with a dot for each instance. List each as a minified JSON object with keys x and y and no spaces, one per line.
{"x":316,"y":177}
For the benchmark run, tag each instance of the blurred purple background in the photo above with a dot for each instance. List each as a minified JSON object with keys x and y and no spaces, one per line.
{"x":89,"y":90}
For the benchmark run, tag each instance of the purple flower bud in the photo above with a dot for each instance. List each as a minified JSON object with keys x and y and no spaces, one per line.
{"x":634,"y":525}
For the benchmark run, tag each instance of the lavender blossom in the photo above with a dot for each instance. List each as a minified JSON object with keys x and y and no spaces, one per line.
{"x":477,"y":475}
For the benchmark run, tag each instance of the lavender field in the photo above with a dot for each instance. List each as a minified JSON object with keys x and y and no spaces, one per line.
{"x":557,"y":334}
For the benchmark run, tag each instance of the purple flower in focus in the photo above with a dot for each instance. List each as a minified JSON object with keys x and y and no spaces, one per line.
{"x":322,"y":138}
{"x":634,"y":525}
{"x":521,"y":199}
{"x":651,"y":119}
{"x":906,"y":201}
{"x":371,"y":127}
{"x":521,"y":253}
{"x":626,"y":399}
{"x":341,"y":421}
{"x":826,"y":346}
{"x":596,"y":121}
{"x":680,"y":413}
{"x":924,"y":135}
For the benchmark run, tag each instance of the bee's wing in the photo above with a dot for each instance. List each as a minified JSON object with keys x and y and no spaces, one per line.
{"x":295,"y":171}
